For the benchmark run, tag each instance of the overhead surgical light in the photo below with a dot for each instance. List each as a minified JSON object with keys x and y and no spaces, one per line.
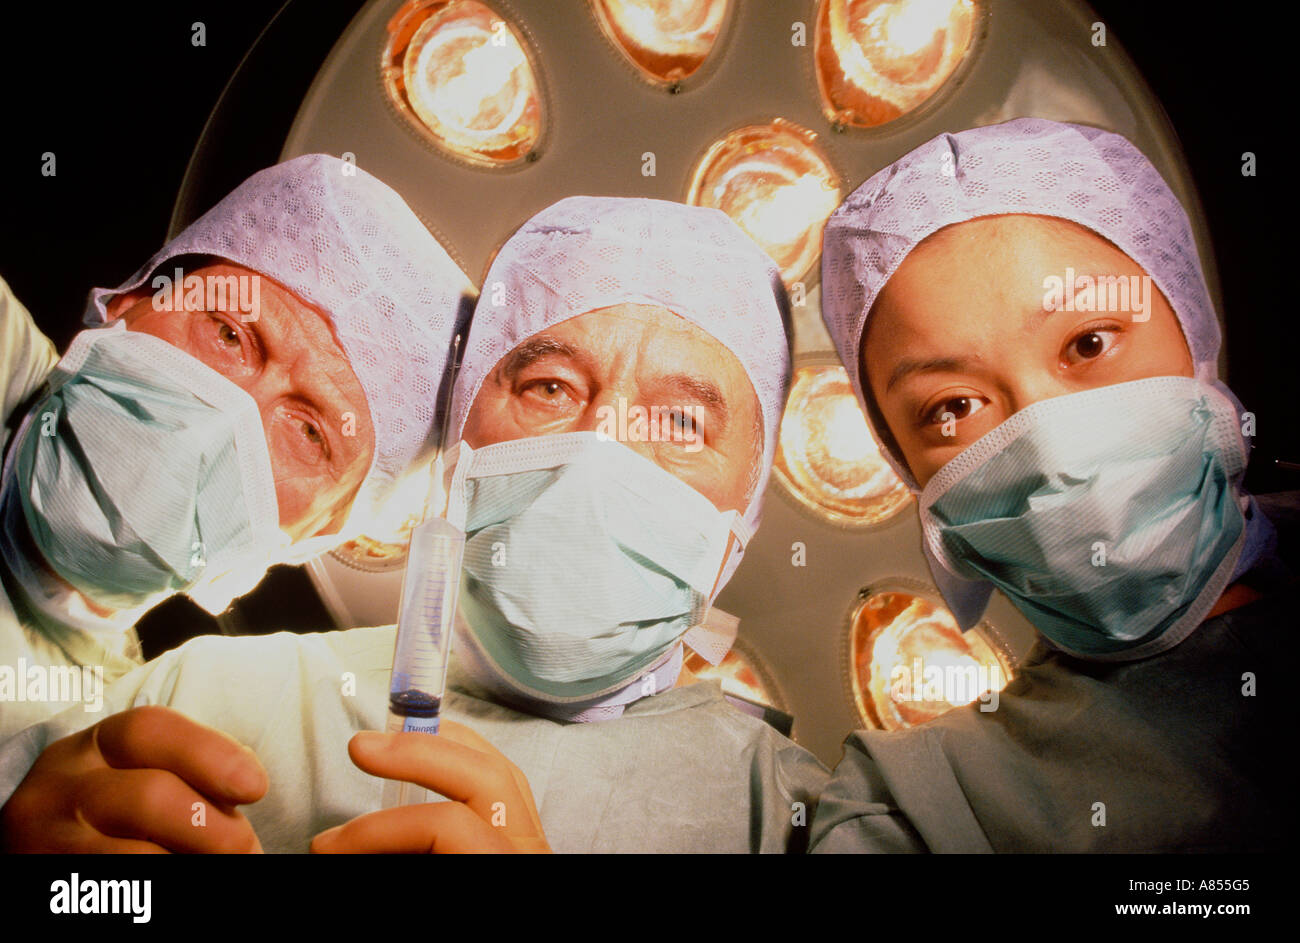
{"x":909,"y":663}
{"x":776,"y":184}
{"x":460,"y":73}
{"x":826,"y":456}
{"x":667,"y":40}
{"x":879,"y":59}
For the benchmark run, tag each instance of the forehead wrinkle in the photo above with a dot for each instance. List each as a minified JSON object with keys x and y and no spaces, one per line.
{"x":320,"y":371}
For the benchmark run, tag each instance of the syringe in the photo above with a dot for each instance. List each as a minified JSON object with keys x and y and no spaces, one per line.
{"x":426,"y":616}
{"x":425,"y":619}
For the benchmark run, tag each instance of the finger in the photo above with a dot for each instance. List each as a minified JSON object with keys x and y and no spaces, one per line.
{"x":155,"y":805}
{"x":464,"y":735}
{"x":212,"y":762}
{"x":75,"y":837}
{"x":79,"y":838}
{"x":468,"y":737}
{"x":437,"y":827}
{"x":451,"y":769}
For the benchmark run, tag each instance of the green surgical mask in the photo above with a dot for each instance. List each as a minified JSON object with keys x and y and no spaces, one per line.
{"x":142,"y":473}
{"x":584,"y":561}
{"x":1112,"y":518}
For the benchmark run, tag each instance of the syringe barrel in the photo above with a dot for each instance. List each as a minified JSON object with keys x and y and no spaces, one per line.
{"x":430,"y":588}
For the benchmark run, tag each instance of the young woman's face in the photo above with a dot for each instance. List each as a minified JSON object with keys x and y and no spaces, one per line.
{"x":963,"y":336}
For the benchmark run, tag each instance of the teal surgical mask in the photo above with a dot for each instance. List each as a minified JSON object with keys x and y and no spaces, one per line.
{"x":142,"y":473}
{"x":584,"y":562}
{"x":1112,"y":518}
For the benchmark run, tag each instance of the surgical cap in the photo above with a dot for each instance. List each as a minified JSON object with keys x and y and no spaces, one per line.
{"x":1032,"y":166}
{"x":585,"y":253}
{"x":342,"y":240}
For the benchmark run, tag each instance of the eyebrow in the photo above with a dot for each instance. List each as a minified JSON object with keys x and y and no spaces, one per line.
{"x":1073,"y":291}
{"x":701,"y":390}
{"x":950,"y":364}
{"x":533,"y":350}
{"x":962,"y":364}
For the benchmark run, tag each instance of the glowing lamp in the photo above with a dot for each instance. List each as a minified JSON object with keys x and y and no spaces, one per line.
{"x":879,"y":59}
{"x":775,"y":183}
{"x":910,"y":663}
{"x":667,"y":40}
{"x":826,"y":456}
{"x":460,"y":73}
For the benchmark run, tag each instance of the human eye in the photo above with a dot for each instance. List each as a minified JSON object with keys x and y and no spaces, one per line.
{"x":313,"y":434}
{"x":306,"y":435}
{"x":547,"y":393}
{"x":226,"y":337}
{"x":680,"y":425}
{"x":953,"y":408}
{"x":681,"y":421}
{"x":317,"y":442}
{"x":1090,"y":343}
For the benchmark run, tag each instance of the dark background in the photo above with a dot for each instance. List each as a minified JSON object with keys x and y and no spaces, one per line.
{"x":120,"y":95}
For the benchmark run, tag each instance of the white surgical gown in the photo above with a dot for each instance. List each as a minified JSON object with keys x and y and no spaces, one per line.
{"x":680,"y":771}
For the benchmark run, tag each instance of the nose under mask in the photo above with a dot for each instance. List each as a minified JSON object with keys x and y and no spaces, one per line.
{"x":584,"y":562}
{"x":1112,"y":518}
{"x":142,"y":472}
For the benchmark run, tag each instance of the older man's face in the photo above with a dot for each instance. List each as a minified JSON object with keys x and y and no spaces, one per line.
{"x":285,"y":355}
{"x":568,"y":377}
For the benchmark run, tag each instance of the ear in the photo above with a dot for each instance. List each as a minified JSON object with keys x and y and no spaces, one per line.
{"x":119,"y":304}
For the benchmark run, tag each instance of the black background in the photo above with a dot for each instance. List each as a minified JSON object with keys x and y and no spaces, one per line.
{"x":120,"y":95}
{"x":818,"y":897}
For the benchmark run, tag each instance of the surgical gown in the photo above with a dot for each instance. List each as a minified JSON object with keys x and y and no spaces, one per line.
{"x":1185,"y":751}
{"x":32,"y":641}
{"x":679,"y":771}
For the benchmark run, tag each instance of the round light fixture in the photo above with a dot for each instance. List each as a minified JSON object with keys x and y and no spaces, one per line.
{"x":774,"y":181}
{"x":667,"y":40}
{"x":879,"y":59}
{"x":741,"y":673}
{"x":826,"y":456}
{"x":460,"y":72}
{"x":909,"y":663}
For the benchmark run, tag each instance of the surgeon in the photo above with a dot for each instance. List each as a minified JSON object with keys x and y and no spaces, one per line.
{"x":616,"y":412}
{"x":248,"y":397}
{"x":1023,"y":315}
